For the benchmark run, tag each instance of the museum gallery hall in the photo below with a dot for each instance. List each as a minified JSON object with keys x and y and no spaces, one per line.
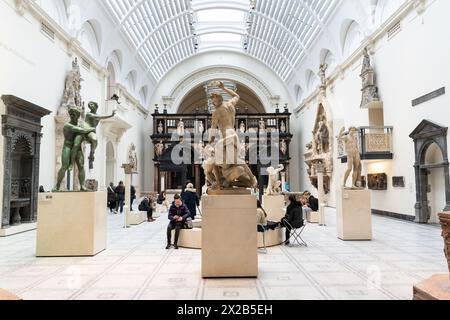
{"x":259,"y":150}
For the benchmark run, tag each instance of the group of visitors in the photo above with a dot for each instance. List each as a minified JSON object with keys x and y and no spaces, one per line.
{"x":116,"y":197}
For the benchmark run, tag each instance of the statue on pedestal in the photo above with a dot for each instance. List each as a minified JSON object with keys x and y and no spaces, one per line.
{"x":242,"y":129}
{"x":322,"y":74}
{"x":71,"y":132}
{"x":180,"y":128}
{"x":159,"y":149}
{"x":92,"y":121}
{"x":225,"y":163}
{"x":274,"y":178}
{"x":283,"y":127}
{"x":132,"y":157}
{"x":353,"y":156}
{"x":322,"y":136}
{"x":160,"y":128}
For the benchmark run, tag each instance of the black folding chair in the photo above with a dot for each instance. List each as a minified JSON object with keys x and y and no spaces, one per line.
{"x":296,"y":233}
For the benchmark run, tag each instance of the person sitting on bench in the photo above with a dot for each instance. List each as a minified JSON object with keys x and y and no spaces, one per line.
{"x":178,"y":214}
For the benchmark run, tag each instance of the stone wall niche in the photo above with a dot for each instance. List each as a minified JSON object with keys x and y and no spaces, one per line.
{"x":21,"y":128}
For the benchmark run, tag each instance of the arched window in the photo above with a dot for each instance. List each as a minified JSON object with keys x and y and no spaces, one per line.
{"x":352,"y":37}
{"x":90,"y":38}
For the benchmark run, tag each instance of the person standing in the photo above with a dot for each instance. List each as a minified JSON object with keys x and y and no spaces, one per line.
{"x":191,"y":199}
{"x":112,"y":198}
{"x":178,"y":214}
{"x":120,"y":193}
{"x":132,"y":197}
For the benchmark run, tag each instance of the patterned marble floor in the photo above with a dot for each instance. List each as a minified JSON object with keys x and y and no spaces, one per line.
{"x":136,"y":266}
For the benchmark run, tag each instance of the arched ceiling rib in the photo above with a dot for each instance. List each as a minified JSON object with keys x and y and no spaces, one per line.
{"x":167,"y":32}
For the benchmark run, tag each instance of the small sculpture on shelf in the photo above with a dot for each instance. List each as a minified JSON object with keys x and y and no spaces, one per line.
{"x":283,"y":147}
{"x":283,"y":127}
{"x":159,"y":149}
{"x":350,"y":141}
{"x":180,"y":128}
{"x":322,"y":73}
{"x":274,"y":177}
{"x":322,"y":136}
{"x":132,"y":157}
{"x":242,"y":128}
{"x":262,"y":125}
{"x":71,"y":132}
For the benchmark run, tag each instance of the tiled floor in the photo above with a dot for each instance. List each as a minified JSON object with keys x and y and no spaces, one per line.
{"x":136,"y":266}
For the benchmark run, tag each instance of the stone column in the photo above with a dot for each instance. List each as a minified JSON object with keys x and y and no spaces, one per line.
{"x":198,"y":185}
{"x":127,"y":210}
{"x":6,"y":216}
{"x":320,"y":168}
{"x":157,"y":179}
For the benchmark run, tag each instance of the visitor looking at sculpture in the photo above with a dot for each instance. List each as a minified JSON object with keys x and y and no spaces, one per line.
{"x":191,"y":199}
{"x":112,"y":198}
{"x":178,"y":214}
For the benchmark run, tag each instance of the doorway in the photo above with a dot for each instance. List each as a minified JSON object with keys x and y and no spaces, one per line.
{"x":432,"y":171}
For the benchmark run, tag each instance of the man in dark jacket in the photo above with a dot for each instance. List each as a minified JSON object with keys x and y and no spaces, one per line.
{"x":178,"y":213}
{"x":294,"y":216}
{"x":312,"y":202}
{"x":191,"y":200}
{"x":146,"y":205}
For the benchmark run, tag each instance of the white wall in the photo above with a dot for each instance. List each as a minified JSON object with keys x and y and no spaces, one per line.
{"x":411,"y":64}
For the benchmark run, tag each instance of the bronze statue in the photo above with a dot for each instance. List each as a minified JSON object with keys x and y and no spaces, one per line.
{"x":91,"y":122}
{"x":71,"y":132}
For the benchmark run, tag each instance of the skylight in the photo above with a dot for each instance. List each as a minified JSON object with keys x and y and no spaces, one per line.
{"x":164,"y":33}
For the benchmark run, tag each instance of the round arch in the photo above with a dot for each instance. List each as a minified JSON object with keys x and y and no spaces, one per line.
{"x":230,"y":73}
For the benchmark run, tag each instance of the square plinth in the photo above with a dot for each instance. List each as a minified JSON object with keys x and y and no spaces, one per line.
{"x":274,"y":206}
{"x":435,"y":288}
{"x":71,"y":224}
{"x":229,"y":237}
{"x":354,"y":214}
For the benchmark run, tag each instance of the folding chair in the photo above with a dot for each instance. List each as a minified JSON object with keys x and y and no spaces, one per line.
{"x":262,"y":229}
{"x":296,"y":233}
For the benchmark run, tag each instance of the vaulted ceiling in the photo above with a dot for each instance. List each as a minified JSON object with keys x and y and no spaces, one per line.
{"x":167,"y":32}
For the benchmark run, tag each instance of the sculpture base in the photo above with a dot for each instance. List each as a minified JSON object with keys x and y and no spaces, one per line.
{"x":435,"y":288}
{"x":71,"y":224}
{"x":313,"y":217}
{"x":373,"y":105}
{"x":24,"y":227}
{"x":229,"y":237}
{"x":274,"y":207}
{"x":354,"y":214}
{"x":136,"y":218}
{"x":230,"y":192}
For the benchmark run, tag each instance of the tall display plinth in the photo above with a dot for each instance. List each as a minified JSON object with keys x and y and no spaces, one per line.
{"x":435,"y":288}
{"x":229,"y":237}
{"x":274,"y":206}
{"x":354,"y":214}
{"x":71,"y":224}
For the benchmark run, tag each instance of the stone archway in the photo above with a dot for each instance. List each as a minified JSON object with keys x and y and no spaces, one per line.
{"x":424,"y":136}
{"x":111,"y":164}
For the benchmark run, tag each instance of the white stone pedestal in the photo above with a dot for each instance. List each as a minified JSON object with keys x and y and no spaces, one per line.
{"x":313,"y":217}
{"x":229,"y":236}
{"x":71,"y":224}
{"x":354,"y":214}
{"x":274,"y":206}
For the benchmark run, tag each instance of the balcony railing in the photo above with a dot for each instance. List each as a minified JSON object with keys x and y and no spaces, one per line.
{"x":375,"y":143}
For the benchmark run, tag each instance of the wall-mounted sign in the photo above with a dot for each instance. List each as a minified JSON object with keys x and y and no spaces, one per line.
{"x":428,"y":97}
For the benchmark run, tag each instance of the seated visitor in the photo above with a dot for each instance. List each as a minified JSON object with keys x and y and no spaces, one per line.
{"x":311,"y":201}
{"x":178,"y":214}
{"x":41,"y":189}
{"x":112,"y":198}
{"x":294,"y":216}
{"x":261,"y":217}
{"x":146,"y":205}
{"x":191,"y":200}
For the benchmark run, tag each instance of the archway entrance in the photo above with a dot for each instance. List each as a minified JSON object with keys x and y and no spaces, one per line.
{"x":432,"y":171}
{"x":110,"y":163}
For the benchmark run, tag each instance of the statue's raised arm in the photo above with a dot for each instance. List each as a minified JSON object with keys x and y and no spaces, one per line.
{"x":235,"y":97}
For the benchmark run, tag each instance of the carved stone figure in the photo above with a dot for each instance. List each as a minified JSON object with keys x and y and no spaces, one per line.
{"x":71,"y":131}
{"x":322,"y":74}
{"x":132,"y":157}
{"x":242,"y":129}
{"x":283,"y":147}
{"x":160,"y":128}
{"x":322,"y":136}
{"x":274,"y":177}
{"x":445,"y":224}
{"x":366,"y":62}
{"x":262,"y":125}
{"x":159,"y":149}
{"x":353,"y":156}
{"x":180,"y":128}
{"x":92,"y":121}
{"x":201,"y":127}
{"x":227,"y":165}
{"x":72,"y":90}
{"x":283,"y":127}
